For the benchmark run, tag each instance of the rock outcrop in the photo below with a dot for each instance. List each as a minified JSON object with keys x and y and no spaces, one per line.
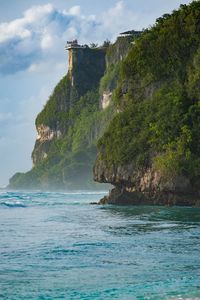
{"x":43,"y":141}
{"x":146,"y":187}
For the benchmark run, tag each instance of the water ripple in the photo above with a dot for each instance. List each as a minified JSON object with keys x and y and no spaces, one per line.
{"x":57,"y":246}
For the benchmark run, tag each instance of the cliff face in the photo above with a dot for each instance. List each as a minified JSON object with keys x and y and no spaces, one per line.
{"x":71,"y":123}
{"x":115,"y":54}
{"x":151,"y":150}
{"x":43,"y":142}
{"x":86,"y":67}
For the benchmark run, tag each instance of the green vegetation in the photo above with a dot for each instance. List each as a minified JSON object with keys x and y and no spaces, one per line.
{"x":117,"y":51}
{"x":70,"y":158}
{"x":74,"y":111}
{"x":109,"y":80}
{"x":115,"y":54}
{"x":56,"y":107}
{"x":66,"y":160}
{"x":157,"y":96}
{"x":89,"y":67}
{"x":160,"y":122}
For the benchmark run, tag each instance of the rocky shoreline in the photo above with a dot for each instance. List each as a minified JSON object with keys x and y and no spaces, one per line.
{"x":119,"y":196}
{"x":145,"y":187}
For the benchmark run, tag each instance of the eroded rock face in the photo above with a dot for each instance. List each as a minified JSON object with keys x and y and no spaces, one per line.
{"x":147,"y":187}
{"x":44,"y":138}
{"x":106,"y":99}
{"x":47,"y":134}
{"x":66,"y":94}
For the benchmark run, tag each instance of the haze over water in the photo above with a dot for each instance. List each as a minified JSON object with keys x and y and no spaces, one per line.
{"x":57,"y":246}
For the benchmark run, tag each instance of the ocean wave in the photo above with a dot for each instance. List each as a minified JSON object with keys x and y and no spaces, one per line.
{"x":12,"y":204}
{"x":23,"y":199}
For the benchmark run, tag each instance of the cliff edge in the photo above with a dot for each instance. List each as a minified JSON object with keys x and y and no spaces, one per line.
{"x":151,"y":150}
{"x":74,"y":118}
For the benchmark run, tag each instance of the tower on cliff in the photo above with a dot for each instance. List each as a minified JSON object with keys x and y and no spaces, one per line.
{"x":86,"y":66}
{"x":71,"y":46}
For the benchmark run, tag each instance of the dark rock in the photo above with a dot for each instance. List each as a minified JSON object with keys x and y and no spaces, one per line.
{"x":145,"y":187}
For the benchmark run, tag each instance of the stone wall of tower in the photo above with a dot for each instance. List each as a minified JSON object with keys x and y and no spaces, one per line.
{"x":70,"y":61}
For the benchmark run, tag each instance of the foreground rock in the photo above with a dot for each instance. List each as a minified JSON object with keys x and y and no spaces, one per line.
{"x":147,"y":187}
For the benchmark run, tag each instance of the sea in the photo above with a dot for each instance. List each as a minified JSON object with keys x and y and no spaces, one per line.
{"x":59,"y":246}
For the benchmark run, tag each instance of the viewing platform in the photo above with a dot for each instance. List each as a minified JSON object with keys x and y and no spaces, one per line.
{"x":130,"y":33}
{"x":74,"y":45}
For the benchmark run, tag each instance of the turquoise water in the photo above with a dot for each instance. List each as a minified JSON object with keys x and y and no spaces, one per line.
{"x":58,"y":246}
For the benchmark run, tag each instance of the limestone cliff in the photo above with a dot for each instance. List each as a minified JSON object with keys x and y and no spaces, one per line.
{"x":151,"y":149}
{"x":73,"y":120}
{"x":115,"y":54}
{"x":86,"y":67}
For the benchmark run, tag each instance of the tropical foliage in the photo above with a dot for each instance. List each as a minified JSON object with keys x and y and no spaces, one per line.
{"x":160,"y":122}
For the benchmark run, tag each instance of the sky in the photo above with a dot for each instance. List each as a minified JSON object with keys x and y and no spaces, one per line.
{"x":33,"y":34}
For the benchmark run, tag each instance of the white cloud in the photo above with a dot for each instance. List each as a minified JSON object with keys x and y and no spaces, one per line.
{"x":35,"y":37}
{"x":71,"y":33}
{"x":119,"y":18}
{"x":12,"y":30}
{"x":47,"y":41}
{"x":37,"y":13}
{"x":75,"y":11}
{"x":20,"y":27}
{"x":42,"y":32}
